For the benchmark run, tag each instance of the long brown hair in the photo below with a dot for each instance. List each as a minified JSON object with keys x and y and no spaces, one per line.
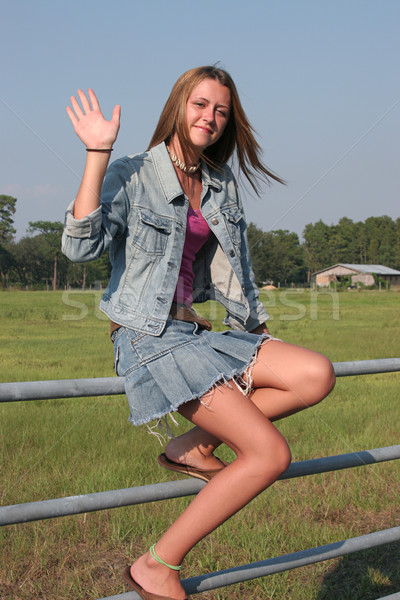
{"x":238,"y":134}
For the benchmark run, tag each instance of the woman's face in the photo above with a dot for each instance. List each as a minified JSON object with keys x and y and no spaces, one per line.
{"x":207,"y":113}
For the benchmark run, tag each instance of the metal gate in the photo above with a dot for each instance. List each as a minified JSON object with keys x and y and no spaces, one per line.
{"x":59,"y":507}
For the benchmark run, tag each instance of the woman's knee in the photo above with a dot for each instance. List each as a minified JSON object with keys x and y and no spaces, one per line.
{"x":282,"y":457}
{"x":313,"y":379}
{"x":272,"y":457}
{"x":279,"y":462}
{"x":320,"y":377}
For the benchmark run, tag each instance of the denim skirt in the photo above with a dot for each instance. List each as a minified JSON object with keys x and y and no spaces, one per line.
{"x":183,"y":363}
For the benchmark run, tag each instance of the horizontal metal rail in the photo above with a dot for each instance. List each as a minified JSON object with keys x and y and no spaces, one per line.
{"x":111,"y":386}
{"x":74,"y":505}
{"x":61,"y":388}
{"x":295,"y":560}
{"x":366,"y":367}
{"x":218,"y":579}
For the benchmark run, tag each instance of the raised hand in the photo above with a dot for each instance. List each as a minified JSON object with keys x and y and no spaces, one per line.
{"x":89,"y":123}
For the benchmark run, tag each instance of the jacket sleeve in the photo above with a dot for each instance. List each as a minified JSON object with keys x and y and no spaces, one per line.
{"x":87,"y":239}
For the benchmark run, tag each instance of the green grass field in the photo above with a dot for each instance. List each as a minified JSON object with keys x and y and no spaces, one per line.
{"x":55,"y":448}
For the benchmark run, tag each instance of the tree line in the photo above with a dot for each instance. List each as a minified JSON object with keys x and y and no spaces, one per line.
{"x":279,"y":258}
{"x":36,"y":261}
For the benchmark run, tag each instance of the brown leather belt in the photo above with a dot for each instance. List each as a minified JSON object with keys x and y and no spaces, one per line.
{"x":180,"y":313}
{"x":184,"y":313}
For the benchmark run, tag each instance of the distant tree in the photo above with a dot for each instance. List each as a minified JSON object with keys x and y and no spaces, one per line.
{"x":288,"y":260}
{"x":261,"y":250}
{"x":381,"y":233}
{"x":7,"y":210}
{"x":6,"y":263}
{"x":49,"y":240}
{"x":46,"y":227}
{"x":316,"y":245}
{"x":86,"y":274}
{"x":362,"y":244}
{"x":7,"y":232}
{"x":343,"y":241}
{"x":277,"y":256}
{"x":29,"y":266}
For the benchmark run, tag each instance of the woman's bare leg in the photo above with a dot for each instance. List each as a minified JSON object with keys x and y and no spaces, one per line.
{"x":262,"y":455}
{"x":286,"y":380}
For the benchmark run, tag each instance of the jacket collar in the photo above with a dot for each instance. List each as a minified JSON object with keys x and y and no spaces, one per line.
{"x":169,"y":182}
{"x":165,"y":172}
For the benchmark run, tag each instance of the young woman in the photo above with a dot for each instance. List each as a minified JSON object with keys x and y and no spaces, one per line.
{"x":176,"y":230}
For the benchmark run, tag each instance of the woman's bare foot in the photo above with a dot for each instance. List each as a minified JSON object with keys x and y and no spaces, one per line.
{"x":156,"y":578}
{"x":189,"y":449}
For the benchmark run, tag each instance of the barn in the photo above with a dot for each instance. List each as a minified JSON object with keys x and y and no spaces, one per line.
{"x":358,"y":274}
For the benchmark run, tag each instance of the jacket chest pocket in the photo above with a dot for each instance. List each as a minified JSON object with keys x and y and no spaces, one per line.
{"x":233,"y":221}
{"x":151,"y":232}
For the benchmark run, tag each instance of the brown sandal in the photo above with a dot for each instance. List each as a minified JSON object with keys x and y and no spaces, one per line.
{"x":138,"y":588}
{"x":164,"y":461}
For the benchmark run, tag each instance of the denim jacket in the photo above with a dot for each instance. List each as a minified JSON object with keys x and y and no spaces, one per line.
{"x":142,"y":218}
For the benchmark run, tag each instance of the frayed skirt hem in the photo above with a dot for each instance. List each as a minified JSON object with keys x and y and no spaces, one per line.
{"x":185,"y":364}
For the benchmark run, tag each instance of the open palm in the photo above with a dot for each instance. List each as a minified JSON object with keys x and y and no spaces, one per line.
{"x":89,"y":123}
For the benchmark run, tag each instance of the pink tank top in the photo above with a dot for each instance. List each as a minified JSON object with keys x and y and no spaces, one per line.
{"x":197,"y":233}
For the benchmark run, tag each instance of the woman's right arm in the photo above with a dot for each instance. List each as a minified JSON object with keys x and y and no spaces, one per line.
{"x":96,"y":133}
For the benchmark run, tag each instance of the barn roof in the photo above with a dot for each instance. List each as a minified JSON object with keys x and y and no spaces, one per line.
{"x":376,"y":269}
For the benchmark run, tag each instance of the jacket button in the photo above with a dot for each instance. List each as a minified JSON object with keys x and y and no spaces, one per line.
{"x":231,"y":253}
{"x":214,"y":221}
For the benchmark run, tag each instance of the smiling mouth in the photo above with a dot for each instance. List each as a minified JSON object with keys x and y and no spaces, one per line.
{"x":204,"y":129}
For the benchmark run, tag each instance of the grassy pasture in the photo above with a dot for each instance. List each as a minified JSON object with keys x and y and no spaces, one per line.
{"x":55,"y":448}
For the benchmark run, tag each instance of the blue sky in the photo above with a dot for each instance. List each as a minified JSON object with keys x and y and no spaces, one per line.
{"x":319,"y":80}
